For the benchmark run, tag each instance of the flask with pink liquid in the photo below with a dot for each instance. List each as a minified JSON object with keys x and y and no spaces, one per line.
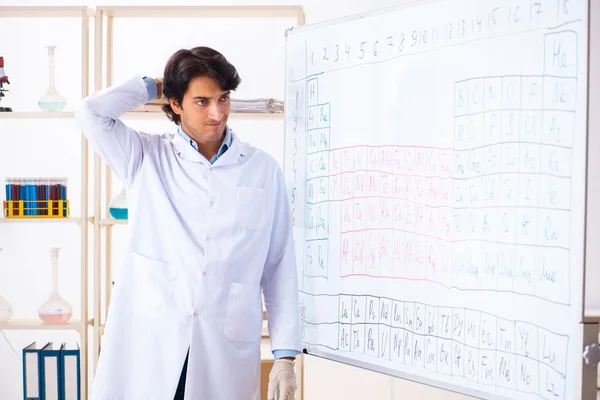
{"x":55,"y":310}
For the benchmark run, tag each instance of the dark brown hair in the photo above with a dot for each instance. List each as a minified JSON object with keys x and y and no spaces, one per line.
{"x":185,"y":65}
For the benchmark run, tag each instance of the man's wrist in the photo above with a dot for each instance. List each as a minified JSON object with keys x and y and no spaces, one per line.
{"x":287,"y":353}
{"x":151,"y":87}
{"x":286,"y":360}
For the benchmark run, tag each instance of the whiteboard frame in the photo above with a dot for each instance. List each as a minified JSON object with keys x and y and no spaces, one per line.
{"x":591,"y":254}
{"x":589,"y":320}
{"x":406,"y":376}
{"x":592,"y":233}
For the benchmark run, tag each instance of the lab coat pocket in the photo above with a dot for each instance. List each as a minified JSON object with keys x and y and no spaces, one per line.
{"x":250,"y":211}
{"x":153,"y":283}
{"x":243,"y":319}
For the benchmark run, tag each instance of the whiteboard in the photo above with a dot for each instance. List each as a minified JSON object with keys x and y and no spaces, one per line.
{"x":435,"y":162}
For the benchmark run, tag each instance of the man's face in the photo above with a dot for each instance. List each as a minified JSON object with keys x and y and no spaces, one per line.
{"x":204,"y":110}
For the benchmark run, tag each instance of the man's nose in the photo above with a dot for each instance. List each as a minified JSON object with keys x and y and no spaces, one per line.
{"x":214,"y":112}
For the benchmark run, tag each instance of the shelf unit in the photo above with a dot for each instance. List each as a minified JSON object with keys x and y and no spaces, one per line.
{"x":69,"y":220}
{"x":28,"y":324}
{"x":37,"y":115}
{"x":81,"y":324}
{"x":98,"y":219}
{"x":133,"y":115}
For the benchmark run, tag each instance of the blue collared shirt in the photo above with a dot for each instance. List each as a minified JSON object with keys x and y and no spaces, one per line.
{"x":226,"y":143}
{"x":152,"y":91}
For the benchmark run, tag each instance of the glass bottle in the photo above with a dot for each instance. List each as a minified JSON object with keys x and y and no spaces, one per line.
{"x":52,"y":100}
{"x":5,"y":308}
{"x":55,"y":310}
{"x":118,"y":206}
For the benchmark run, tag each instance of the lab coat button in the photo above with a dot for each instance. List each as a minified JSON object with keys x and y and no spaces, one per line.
{"x":208,"y":238}
{"x":212,"y":203}
{"x":195,"y":314}
{"x":204,"y":273}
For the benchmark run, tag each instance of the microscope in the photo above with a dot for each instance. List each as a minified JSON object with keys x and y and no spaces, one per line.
{"x":3,"y":80}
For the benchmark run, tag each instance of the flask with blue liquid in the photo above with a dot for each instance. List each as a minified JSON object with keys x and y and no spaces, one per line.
{"x":118,"y":206}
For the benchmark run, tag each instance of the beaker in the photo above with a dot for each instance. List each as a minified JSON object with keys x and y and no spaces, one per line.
{"x":55,"y":310}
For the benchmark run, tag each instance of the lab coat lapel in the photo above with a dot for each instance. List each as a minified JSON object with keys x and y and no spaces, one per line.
{"x":186,"y":151}
{"x":234,"y":154}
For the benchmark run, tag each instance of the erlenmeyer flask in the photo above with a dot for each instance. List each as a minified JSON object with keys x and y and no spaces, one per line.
{"x":55,"y":310}
{"x":118,"y":206}
{"x":5,"y":308}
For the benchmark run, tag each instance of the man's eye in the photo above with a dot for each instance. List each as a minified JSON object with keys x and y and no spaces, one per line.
{"x":225,"y":99}
{"x":201,"y":102}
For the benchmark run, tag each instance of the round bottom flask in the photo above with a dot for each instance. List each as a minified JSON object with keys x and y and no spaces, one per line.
{"x":55,"y":310}
{"x":51,"y":100}
{"x":118,"y":206}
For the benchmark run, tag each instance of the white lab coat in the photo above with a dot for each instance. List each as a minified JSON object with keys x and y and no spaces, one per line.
{"x":204,"y":241}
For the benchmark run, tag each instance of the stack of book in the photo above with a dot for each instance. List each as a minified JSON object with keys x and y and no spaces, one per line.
{"x":256,"y":106}
{"x":263,"y":105}
{"x":51,"y":374}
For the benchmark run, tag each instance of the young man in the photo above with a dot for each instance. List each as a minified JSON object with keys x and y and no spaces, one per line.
{"x":210,"y":229}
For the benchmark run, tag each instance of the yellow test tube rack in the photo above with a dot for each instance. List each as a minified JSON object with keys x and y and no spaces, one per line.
{"x":36,"y":208}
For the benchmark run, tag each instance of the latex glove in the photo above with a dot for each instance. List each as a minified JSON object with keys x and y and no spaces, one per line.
{"x":282,"y":377}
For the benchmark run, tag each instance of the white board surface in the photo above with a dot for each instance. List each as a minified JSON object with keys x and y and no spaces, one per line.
{"x":435,"y":157}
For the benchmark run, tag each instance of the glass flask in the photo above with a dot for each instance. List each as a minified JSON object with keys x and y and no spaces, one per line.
{"x":55,"y":310}
{"x":118,"y":206}
{"x":52,"y":100}
{"x":5,"y":308}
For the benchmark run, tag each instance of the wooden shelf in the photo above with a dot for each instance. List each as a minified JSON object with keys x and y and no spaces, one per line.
{"x":112,"y":221}
{"x":274,"y":11}
{"x":233,"y":116}
{"x":37,"y":115}
{"x":45,"y":12}
{"x":131,"y":115}
{"x":37,"y":324}
{"x":70,"y":220}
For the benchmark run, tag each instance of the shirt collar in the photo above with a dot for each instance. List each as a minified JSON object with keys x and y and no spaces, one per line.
{"x":224,"y":147}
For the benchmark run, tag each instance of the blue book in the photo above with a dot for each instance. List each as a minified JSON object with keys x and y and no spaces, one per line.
{"x":32,"y":373}
{"x":51,"y":362}
{"x":70,"y":376}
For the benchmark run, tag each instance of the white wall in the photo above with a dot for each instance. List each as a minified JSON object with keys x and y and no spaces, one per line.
{"x":325,"y":380}
{"x":27,"y":264}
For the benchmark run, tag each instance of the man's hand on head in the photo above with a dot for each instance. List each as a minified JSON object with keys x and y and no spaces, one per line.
{"x":159,"y":87}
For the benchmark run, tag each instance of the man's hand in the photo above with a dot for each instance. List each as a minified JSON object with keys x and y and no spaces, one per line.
{"x":282,"y":377}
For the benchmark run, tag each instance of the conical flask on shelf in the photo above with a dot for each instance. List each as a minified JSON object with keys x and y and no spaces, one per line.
{"x":118,"y":206}
{"x":55,"y":310}
{"x":5,"y":308}
{"x":51,"y":100}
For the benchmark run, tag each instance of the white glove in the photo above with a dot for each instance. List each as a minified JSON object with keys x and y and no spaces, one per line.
{"x":282,"y":378}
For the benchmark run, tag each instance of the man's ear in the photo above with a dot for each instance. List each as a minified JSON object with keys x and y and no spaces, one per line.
{"x":175,"y":106}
